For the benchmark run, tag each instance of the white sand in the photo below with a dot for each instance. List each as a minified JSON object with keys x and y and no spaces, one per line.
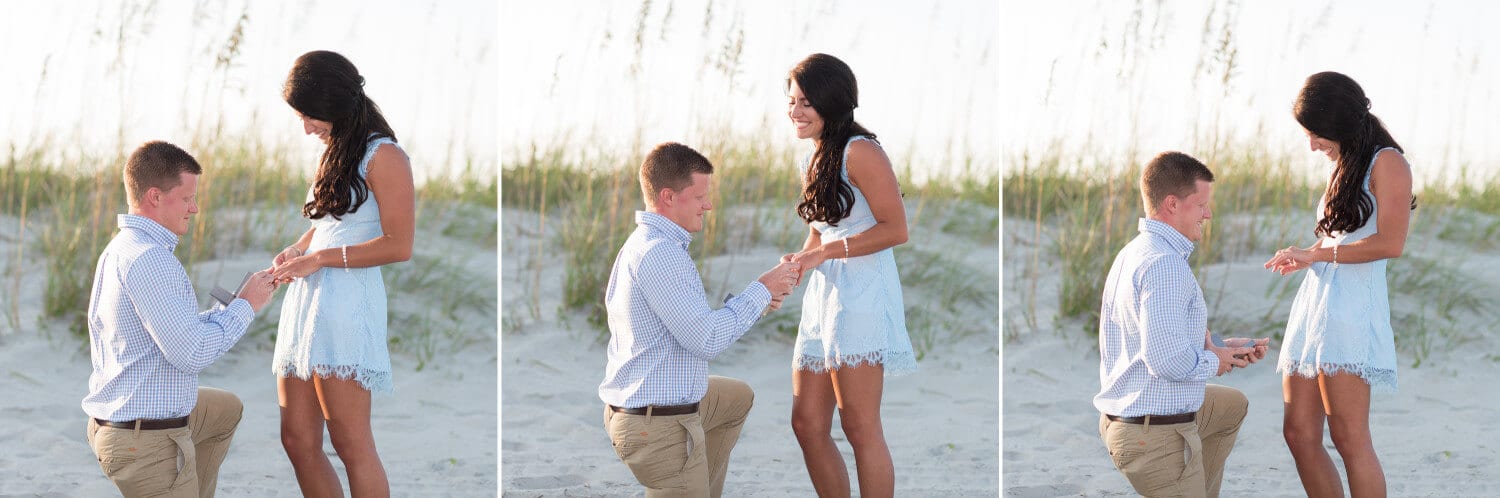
{"x":940,"y":422}
{"x":436,"y":435}
{"x":1431,"y":435}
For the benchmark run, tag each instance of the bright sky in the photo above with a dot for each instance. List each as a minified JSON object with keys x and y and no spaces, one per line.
{"x":430,"y":65}
{"x":1079,"y":81}
{"x":927,"y":76}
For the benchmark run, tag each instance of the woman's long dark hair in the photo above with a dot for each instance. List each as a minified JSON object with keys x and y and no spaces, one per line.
{"x":1334,"y":107}
{"x":327,"y":87}
{"x":830,"y":88}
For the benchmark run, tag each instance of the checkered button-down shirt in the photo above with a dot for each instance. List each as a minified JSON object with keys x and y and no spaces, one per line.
{"x":662,"y":331}
{"x":147,"y":339}
{"x":1151,"y":329}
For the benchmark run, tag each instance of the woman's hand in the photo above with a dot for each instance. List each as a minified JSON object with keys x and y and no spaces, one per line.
{"x":1289,"y":260}
{"x":286,"y":254}
{"x":295,"y":268}
{"x":800,"y":270}
{"x":806,"y":260}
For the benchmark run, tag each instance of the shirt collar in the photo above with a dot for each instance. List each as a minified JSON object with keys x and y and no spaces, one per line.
{"x":670,"y":229}
{"x":150,"y":228}
{"x":1171,"y":236}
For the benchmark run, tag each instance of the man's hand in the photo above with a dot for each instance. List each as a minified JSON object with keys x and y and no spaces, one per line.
{"x":775,"y":303}
{"x":1228,"y":359}
{"x":780,"y":279}
{"x":1260,"y":346}
{"x":257,"y":290}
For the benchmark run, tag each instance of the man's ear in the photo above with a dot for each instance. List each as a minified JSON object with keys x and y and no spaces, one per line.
{"x":1168,"y":204}
{"x":152,"y":197}
{"x":664,"y":197}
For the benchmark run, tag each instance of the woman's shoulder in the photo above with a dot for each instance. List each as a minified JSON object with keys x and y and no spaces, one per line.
{"x":1389,"y":167}
{"x":387,"y":148}
{"x":862,"y":149}
{"x":861,"y":141}
{"x":386,"y":155}
{"x":1389,"y":160}
{"x":378,"y":142}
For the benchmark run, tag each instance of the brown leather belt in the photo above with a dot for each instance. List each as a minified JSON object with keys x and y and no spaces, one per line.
{"x":657,"y":410}
{"x":146,"y":425}
{"x":1180,"y":418}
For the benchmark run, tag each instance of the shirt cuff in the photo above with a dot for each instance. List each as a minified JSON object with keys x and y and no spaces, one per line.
{"x":1209,"y":364}
{"x":757,"y":295}
{"x":240,"y":314}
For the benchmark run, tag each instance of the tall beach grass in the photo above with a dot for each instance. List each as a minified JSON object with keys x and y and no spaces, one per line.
{"x":250,"y":198}
{"x":60,"y":192}
{"x":586,"y":207}
{"x":1075,"y":202}
{"x":584,"y":196}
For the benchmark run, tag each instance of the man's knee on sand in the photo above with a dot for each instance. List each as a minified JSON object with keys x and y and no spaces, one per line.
{"x":734,"y":396}
{"x":221,"y":411}
{"x":1228,"y":404}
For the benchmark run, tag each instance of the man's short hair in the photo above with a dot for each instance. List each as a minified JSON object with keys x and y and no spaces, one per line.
{"x":157,"y":164}
{"x":671,"y":165}
{"x":1171,"y":173}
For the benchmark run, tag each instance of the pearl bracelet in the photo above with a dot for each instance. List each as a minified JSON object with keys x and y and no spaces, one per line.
{"x":345,"y":251}
{"x":846,"y":248}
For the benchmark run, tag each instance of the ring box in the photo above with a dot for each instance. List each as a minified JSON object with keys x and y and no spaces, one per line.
{"x":225,"y":297}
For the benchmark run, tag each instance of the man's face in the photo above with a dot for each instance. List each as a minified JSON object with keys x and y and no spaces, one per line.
{"x":176,"y":207}
{"x":688,"y":206}
{"x":1188,"y":214}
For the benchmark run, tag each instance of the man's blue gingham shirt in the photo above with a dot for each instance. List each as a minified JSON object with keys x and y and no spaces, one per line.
{"x":662,"y":331}
{"x":1152,"y":329}
{"x":147,"y":339}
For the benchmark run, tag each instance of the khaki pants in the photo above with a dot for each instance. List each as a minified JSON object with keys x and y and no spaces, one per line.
{"x":1184,"y":459}
{"x":683,"y":455}
{"x":179,"y":463}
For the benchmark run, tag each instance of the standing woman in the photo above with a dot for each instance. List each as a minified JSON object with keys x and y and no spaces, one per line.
{"x":331,"y":341}
{"x":853,"y":329}
{"x":1339,"y":341}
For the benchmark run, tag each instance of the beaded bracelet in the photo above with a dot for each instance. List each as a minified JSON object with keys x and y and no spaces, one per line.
{"x":1335,"y":254}
{"x":345,"y":251}
{"x":846,"y":248}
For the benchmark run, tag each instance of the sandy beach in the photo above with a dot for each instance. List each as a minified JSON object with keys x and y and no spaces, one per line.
{"x":940,"y":423}
{"x":1429,"y":435}
{"x":436,"y":434}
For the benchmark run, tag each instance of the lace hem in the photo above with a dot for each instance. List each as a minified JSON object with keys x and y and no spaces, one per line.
{"x":895,"y":364}
{"x":1379,"y":379}
{"x":372,"y":380}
